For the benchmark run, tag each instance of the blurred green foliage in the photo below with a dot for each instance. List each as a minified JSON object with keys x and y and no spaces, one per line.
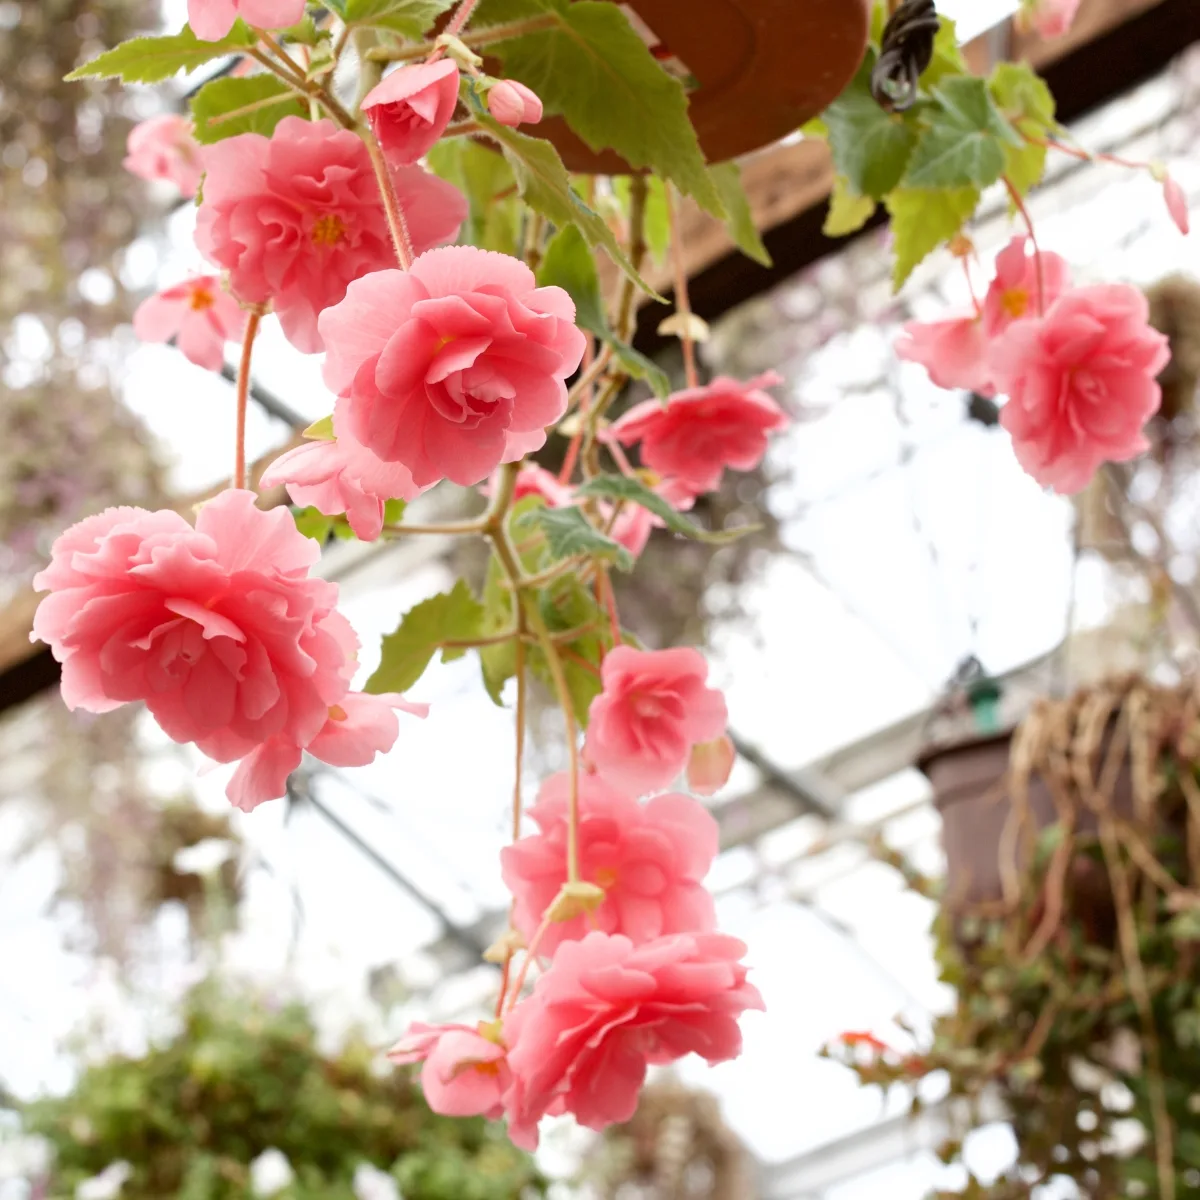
{"x":240,"y":1077}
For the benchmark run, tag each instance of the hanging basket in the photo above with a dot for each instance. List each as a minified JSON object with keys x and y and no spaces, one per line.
{"x":1122,"y":753}
{"x":761,"y":68}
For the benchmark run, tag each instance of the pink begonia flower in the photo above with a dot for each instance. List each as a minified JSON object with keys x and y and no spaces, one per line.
{"x":198,"y":315}
{"x":411,"y":108}
{"x":342,"y":476}
{"x":654,"y":707}
{"x":1081,"y":384}
{"x":1051,"y":18}
{"x":211,"y":20}
{"x":710,"y":765}
{"x":219,"y":630}
{"x":955,"y":352}
{"x":163,"y":148}
{"x":464,"y":1074}
{"x":649,"y":859}
{"x":699,"y":432}
{"x":533,"y":480}
{"x":606,"y":1010}
{"x":632,"y":527}
{"x":438,"y":366}
{"x":513,"y":104}
{"x":1177,"y":204}
{"x":297,"y":216}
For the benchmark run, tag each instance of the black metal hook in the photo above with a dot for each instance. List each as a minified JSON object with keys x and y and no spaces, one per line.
{"x":907,"y":50}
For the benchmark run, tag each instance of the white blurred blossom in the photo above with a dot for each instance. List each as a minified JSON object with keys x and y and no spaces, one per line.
{"x":270,"y":1173}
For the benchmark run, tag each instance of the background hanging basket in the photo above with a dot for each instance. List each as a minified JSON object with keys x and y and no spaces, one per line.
{"x":1093,"y":758}
{"x":761,"y":68}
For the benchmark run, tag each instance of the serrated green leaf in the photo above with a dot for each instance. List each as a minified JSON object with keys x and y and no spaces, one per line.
{"x":964,"y":141}
{"x":1025,"y":101}
{"x":153,"y":59}
{"x":568,"y":604}
{"x":568,"y":263}
{"x":816,"y":128}
{"x":225,"y":107}
{"x":545,"y":186}
{"x":870,"y":147}
{"x":408,"y":18}
{"x":623,"y":487}
{"x":739,"y":220}
{"x":304,"y":33}
{"x":593,"y":68}
{"x":947,"y":58}
{"x":568,"y":533}
{"x":922,"y":219}
{"x":313,"y":523}
{"x":486,"y":178}
{"x":848,"y":211}
{"x":449,"y":616}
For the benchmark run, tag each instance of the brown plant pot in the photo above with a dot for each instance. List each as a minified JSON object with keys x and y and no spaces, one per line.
{"x":971,"y":794}
{"x":764,"y":67}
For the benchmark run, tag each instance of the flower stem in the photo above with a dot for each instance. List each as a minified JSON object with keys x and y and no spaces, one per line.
{"x":682,"y":303}
{"x":482,"y":37}
{"x":455,"y":27}
{"x":243,"y":394}
{"x":563,"y":694}
{"x":1019,"y":205}
{"x":530,"y":955}
{"x":395,"y":215}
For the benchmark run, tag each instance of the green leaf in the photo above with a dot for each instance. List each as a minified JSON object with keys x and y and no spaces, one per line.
{"x":450,"y":616}
{"x":568,"y":533}
{"x":657,"y":221}
{"x":408,"y":18}
{"x":622,"y":487}
{"x":739,"y":220}
{"x":593,"y":68}
{"x":153,"y":59}
{"x":922,"y":219}
{"x":568,"y":263}
{"x":486,"y":179}
{"x":305,"y":33}
{"x":267,"y":99}
{"x":1028,"y":104}
{"x":848,"y":211}
{"x":313,"y":523}
{"x":321,"y":430}
{"x":498,"y":662}
{"x":1021,"y":93}
{"x":870,"y":147}
{"x":545,"y":186}
{"x":568,"y":604}
{"x":964,"y":143}
{"x":947,"y":58}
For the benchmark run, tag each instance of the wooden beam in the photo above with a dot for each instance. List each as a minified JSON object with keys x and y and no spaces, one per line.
{"x":1114,"y":46}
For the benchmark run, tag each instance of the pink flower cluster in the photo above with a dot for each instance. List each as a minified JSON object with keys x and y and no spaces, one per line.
{"x":297,"y":217}
{"x":219,"y":629}
{"x":641,"y":977}
{"x":691,"y":439}
{"x":1078,"y":365}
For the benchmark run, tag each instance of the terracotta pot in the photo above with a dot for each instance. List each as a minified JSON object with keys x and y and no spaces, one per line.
{"x":764,"y":68}
{"x":970,"y":793}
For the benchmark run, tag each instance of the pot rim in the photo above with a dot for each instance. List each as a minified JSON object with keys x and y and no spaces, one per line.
{"x":959,"y":745}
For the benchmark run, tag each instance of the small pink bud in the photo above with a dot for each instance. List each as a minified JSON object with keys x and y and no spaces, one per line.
{"x":710,"y":765}
{"x":514,"y":104}
{"x":1177,"y":204}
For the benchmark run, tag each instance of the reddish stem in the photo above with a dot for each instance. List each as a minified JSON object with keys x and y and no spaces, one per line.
{"x":455,"y":26}
{"x":1019,"y":205}
{"x":243,"y":394}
